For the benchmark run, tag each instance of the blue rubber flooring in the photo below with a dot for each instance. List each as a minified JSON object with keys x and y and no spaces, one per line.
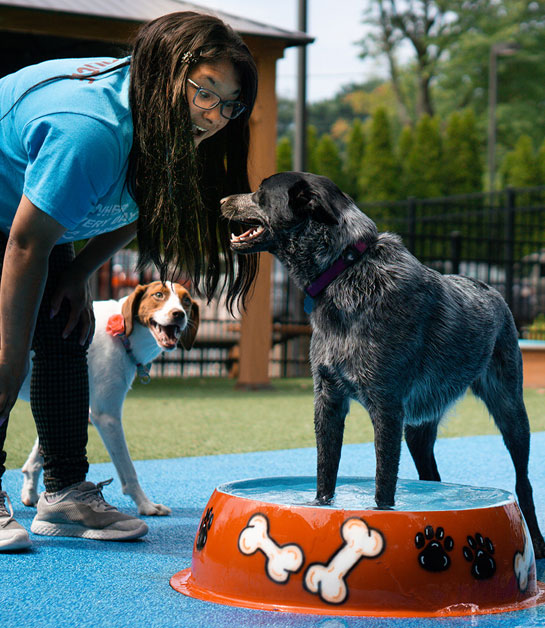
{"x":77,"y":583}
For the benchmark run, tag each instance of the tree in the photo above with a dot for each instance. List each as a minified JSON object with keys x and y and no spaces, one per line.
{"x":284,"y":157}
{"x":328,"y":160}
{"x":323,"y":114}
{"x":426,"y":27}
{"x":312,"y":143}
{"x":285,"y":111}
{"x":463,"y":169}
{"x":355,"y":149}
{"x":520,"y":167}
{"x":464,"y":73}
{"x":404,"y":148}
{"x":541,"y":163}
{"x":379,"y":175}
{"x":446,"y":47}
{"x":425,"y":168}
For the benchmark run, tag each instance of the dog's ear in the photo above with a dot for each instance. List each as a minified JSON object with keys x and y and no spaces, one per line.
{"x":188,"y":335}
{"x":129,"y":309}
{"x":304,"y":199}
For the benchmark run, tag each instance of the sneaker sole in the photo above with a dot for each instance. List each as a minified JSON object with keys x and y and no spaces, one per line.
{"x":16,"y":542}
{"x":46,"y":528}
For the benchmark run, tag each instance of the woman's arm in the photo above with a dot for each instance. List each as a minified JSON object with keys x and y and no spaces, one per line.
{"x":31,"y":239}
{"x":32,"y":236}
{"x":74,"y":284}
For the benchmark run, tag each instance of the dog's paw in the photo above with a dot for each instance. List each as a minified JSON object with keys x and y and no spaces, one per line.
{"x":434,"y":556}
{"x":321,"y":501}
{"x":479,"y":551}
{"x":153,"y":510}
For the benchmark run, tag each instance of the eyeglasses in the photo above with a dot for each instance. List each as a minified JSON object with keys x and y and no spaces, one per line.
{"x":207,"y":99}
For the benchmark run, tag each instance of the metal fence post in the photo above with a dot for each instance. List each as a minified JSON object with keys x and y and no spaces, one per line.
{"x":509,"y":245}
{"x":455,"y":251}
{"x":411,"y":224}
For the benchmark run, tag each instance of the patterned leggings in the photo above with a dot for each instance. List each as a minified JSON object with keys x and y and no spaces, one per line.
{"x":59,"y":389}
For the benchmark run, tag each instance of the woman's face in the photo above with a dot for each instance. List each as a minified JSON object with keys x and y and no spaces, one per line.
{"x":221,"y":78}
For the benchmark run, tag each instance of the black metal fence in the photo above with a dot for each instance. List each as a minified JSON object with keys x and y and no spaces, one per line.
{"x":498,"y":238}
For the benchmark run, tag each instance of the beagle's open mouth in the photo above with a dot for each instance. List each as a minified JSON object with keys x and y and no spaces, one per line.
{"x":167,"y":336}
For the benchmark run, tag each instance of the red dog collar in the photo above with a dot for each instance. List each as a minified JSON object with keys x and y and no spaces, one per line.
{"x":115,"y":327}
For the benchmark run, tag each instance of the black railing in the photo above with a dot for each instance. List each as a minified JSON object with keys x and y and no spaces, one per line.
{"x":498,"y":238}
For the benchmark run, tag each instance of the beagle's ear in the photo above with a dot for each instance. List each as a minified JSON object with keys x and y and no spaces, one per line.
{"x":129,"y":309}
{"x":306,"y":201}
{"x":188,"y":335}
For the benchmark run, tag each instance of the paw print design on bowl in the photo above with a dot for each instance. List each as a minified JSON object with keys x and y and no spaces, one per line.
{"x":478,"y":551}
{"x":434,"y":556}
{"x":206,"y":524}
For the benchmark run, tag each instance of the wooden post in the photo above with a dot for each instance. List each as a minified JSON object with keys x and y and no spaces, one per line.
{"x":256,"y":323}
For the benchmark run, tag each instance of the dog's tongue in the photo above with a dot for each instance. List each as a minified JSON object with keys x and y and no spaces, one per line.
{"x":167,"y":335}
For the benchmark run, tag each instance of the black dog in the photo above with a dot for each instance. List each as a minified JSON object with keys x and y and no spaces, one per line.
{"x":400,"y":338}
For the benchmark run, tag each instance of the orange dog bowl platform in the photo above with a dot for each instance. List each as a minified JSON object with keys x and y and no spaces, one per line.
{"x":445,"y":550}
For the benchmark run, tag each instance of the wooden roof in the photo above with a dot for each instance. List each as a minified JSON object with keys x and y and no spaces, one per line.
{"x":114,"y":19}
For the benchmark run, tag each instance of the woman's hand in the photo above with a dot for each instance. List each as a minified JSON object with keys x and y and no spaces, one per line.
{"x":76,"y":290}
{"x":11,"y":379}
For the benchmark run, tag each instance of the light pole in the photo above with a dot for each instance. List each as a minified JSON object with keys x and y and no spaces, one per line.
{"x":300,"y":148}
{"x":502,"y":49}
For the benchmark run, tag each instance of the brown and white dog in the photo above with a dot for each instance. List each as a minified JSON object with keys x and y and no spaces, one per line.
{"x":129,"y":334}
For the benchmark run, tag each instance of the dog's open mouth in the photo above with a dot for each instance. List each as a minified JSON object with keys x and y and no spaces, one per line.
{"x":250,"y":238}
{"x":166,"y":335}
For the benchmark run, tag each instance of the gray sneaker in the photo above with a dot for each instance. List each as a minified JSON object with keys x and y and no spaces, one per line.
{"x":12,"y":535}
{"x":80,"y":510}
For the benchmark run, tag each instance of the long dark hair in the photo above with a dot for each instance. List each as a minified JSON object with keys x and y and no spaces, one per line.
{"x":176,"y":186}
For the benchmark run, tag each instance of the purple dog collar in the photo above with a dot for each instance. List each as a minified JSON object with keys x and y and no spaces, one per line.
{"x":349,"y":257}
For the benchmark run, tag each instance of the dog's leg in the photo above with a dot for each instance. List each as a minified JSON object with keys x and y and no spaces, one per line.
{"x":500,"y":388}
{"x":31,"y":472}
{"x":420,"y":441}
{"x":111,"y":431}
{"x":331,"y":406}
{"x":388,"y":424}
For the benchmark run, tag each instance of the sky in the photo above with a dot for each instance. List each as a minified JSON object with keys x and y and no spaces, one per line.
{"x":332,"y":60}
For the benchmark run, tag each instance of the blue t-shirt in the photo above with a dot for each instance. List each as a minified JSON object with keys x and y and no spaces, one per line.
{"x":66,"y":144}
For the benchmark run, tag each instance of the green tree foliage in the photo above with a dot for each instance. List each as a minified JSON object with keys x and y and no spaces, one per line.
{"x":284,"y":157}
{"x":328,"y":160}
{"x":323,"y":114}
{"x":379,"y":178}
{"x":463,"y":79}
{"x":425,"y":174}
{"x":312,"y":144}
{"x":404,"y":149}
{"x":355,"y":149}
{"x":424,"y":27}
{"x":520,"y":167}
{"x":285,"y":112}
{"x":463,"y":170}
{"x":541,"y":163}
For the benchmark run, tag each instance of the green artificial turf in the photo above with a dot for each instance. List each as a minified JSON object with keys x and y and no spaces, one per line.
{"x":175,"y":417}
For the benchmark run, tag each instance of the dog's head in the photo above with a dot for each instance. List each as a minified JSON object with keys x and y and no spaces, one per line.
{"x":284,"y":203}
{"x":167,"y":310}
